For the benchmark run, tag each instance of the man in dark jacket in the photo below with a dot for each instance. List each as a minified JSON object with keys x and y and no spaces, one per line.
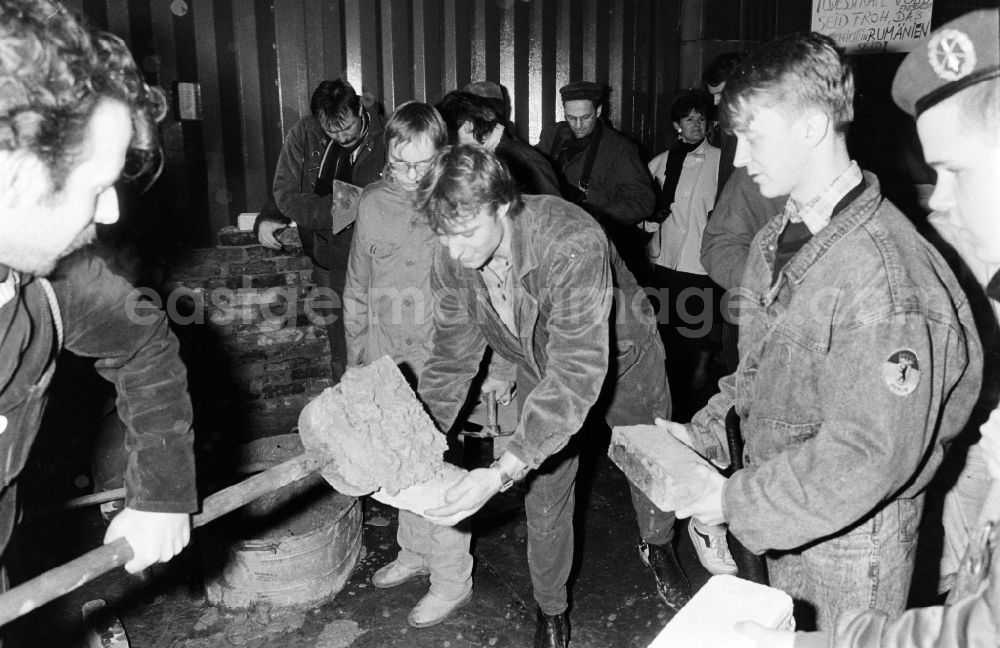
{"x":471,"y":119}
{"x":618,"y":191}
{"x":65,"y":84}
{"x":534,"y":278}
{"x":327,"y":158}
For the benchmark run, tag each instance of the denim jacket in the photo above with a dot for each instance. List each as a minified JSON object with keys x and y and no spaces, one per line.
{"x":578,"y":312}
{"x":138,"y":355}
{"x":857,"y":366}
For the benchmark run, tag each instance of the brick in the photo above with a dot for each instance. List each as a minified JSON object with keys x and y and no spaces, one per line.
{"x":659,"y":465}
{"x":260,"y":266}
{"x":230,"y":236}
{"x":304,"y":373}
{"x":271,"y":391}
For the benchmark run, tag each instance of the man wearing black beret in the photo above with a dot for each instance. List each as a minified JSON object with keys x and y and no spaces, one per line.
{"x":600,"y":169}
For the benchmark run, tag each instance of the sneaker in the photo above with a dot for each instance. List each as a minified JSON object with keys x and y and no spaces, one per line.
{"x":432,"y":609}
{"x":671,"y":583}
{"x":396,"y":573}
{"x":712,"y":548}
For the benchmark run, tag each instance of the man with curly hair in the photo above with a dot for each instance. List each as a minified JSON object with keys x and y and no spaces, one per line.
{"x":73,"y":106}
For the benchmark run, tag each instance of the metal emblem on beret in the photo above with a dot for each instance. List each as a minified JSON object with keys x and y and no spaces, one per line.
{"x":951,"y":54}
{"x":901,"y":372}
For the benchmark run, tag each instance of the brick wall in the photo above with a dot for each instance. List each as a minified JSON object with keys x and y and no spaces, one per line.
{"x":255,"y":356}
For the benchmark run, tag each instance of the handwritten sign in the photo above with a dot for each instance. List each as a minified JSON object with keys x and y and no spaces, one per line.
{"x":873,"y":26}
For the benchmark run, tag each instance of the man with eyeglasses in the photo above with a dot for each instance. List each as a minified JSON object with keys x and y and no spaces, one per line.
{"x":600,"y":169}
{"x":327,"y":157}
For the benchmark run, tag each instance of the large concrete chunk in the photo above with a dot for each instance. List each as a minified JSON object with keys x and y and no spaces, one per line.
{"x":659,"y":465}
{"x":375,"y":431}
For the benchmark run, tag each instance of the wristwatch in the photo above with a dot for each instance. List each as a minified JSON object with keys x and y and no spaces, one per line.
{"x":506,"y":481}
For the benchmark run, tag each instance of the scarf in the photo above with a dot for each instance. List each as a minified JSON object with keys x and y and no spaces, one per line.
{"x":671,"y":175}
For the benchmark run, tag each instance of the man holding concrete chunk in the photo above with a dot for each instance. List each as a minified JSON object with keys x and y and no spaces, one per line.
{"x":535,"y":279}
{"x":859,"y":358}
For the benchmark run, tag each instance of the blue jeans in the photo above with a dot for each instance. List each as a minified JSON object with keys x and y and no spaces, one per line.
{"x":960,"y":514}
{"x":868,"y":566}
{"x":639,"y":394}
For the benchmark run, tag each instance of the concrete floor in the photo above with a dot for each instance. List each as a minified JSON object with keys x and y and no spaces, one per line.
{"x":613,"y":599}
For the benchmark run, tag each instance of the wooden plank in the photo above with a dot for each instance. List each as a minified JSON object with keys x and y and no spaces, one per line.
{"x":221,"y":208}
{"x":352,"y":40}
{"x":615,"y":54}
{"x":564,"y":37}
{"x":270,"y":95}
{"x":419,"y":50}
{"x":118,"y":19}
{"x":256,"y":181}
{"x":463,"y":44}
{"x":332,"y":17}
{"x":492,"y":43}
{"x":628,"y":63}
{"x":293,"y":75}
{"x":536,"y":65}
{"x":389,"y":99}
{"x":315,"y":44}
{"x":449,"y":77}
{"x":369,"y":25}
{"x":479,"y":39}
{"x":589,"y":41}
{"x":402,"y":53}
{"x":434,"y":48}
{"x":508,"y":71}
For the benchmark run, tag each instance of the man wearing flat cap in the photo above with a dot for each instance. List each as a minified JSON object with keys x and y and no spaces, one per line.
{"x":951,"y":84}
{"x":600,"y":169}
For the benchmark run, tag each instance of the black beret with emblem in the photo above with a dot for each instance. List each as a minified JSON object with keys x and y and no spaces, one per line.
{"x":960,"y":53}
{"x":583,"y":90}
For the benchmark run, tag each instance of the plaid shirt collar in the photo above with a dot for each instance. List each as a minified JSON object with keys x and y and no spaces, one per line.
{"x":817,"y":212}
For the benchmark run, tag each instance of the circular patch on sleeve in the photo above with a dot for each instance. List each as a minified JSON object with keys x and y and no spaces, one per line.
{"x":901,"y":372}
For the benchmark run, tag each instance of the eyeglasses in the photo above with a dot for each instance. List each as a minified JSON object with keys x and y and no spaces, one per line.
{"x":403,"y":168}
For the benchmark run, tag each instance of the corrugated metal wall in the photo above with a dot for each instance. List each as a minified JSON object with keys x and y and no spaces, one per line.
{"x":257,"y":61}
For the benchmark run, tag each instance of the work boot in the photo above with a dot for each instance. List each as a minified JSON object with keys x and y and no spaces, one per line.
{"x":396,"y":573}
{"x":712,"y":547}
{"x":551,"y":631}
{"x":671,"y":583}
{"x":432,"y":609}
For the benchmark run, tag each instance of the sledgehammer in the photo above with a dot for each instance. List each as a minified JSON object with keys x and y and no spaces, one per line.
{"x":360,"y":435}
{"x":64,"y":579}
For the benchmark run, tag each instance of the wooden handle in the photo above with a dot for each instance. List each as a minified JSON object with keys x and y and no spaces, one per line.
{"x":64,"y":579}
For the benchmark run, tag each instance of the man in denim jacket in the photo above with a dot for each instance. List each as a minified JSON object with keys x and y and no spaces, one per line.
{"x":859,"y":359}
{"x":73,"y":105}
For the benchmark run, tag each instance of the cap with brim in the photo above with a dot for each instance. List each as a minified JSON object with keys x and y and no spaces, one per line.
{"x":959,"y":54}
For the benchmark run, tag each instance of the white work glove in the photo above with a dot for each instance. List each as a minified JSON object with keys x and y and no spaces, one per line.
{"x":154,"y":537}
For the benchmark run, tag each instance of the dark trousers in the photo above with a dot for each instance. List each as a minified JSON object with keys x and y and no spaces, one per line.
{"x":638,"y":396}
{"x":330,"y":306}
